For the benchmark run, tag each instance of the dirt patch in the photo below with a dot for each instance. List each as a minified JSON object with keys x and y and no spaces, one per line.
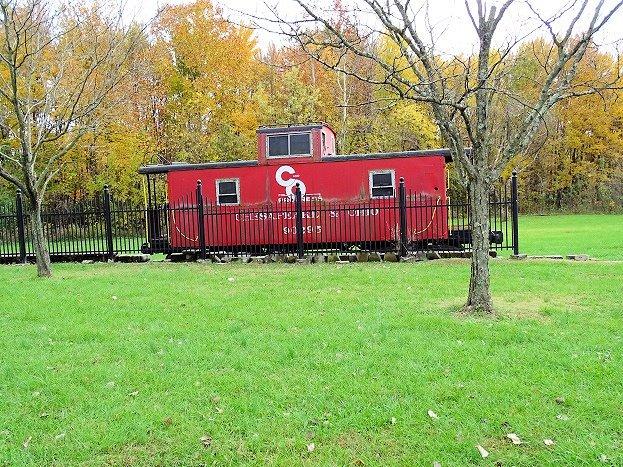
{"x":358,"y":444}
{"x":350,"y":440}
{"x":521,"y":307}
{"x":132,"y":454}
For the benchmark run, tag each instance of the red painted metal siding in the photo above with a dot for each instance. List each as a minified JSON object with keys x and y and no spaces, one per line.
{"x":346,"y":181}
{"x":324,"y":182}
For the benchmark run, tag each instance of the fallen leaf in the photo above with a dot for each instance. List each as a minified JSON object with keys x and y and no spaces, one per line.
{"x":26,"y":442}
{"x":167,"y":421}
{"x":603,"y":458}
{"x":311,"y":447}
{"x":44,"y":414}
{"x":560,"y":400}
{"x":483,"y":452}
{"x":206,"y":441}
{"x":436,"y":464}
{"x":60,"y":436}
{"x":514,"y":438}
{"x":218,"y":410}
{"x":432,"y":414}
{"x":393,"y":420}
{"x":114,"y":297}
{"x":548,"y":442}
{"x":562,"y":416}
{"x":231,"y":279}
{"x":110,"y":384}
{"x":133,"y":394}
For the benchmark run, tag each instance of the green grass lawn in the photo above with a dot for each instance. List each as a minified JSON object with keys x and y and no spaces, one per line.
{"x":117,"y":364}
{"x":132,"y":364}
{"x":91,"y":245}
{"x":600,"y":236}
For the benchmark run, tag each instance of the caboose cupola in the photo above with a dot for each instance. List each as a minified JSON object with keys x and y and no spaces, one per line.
{"x":296,"y":142}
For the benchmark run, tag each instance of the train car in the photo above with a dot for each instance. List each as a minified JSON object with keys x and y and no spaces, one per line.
{"x":251,"y":203}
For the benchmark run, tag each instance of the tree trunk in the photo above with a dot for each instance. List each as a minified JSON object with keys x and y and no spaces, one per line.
{"x":479,"y":298}
{"x":40,"y":244}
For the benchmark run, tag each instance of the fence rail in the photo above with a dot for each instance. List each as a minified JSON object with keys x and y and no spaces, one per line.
{"x":104,"y":228}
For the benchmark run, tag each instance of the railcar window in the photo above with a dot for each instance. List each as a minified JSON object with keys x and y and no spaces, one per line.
{"x":299,"y":144}
{"x":228,"y":191}
{"x":278,"y":146}
{"x":295,"y":144}
{"x":382,"y":183}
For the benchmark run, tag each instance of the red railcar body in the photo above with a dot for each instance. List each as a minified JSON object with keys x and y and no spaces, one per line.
{"x":250,"y":202}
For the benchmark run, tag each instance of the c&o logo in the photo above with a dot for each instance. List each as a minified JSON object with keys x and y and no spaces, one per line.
{"x":291,"y":182}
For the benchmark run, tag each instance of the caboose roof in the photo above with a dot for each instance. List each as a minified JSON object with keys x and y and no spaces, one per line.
{"x":291,"y":128}
{"x":164,"y":168}
{"x":390,"y":155}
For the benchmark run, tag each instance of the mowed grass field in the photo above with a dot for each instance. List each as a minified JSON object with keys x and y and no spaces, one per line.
{"x":202,"y":364}
{"x":598,"y":235}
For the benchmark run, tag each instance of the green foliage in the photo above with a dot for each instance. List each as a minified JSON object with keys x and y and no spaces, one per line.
{"x":209,"y":75}
{"x":289,"y":100}
{"x":405,"y":127}
{"x":199,"y":91}
{"x":577,"y":163}
{"x":111,"y":158}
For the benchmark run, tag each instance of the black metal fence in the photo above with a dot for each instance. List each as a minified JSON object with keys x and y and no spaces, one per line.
{"x":97,"y":229}
{"x":409,"y":222}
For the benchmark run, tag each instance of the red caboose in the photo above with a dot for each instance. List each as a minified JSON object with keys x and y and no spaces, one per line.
{"x":251,"y":202}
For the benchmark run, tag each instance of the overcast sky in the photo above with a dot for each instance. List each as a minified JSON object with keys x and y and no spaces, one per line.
{"x":455,"y":31}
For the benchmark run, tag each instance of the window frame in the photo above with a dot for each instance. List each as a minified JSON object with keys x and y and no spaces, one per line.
{"x":371,"y":182}
{"x":289,"y":155}
{"x":218,"y":194}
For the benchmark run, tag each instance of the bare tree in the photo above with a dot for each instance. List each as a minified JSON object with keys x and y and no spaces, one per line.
{"x":473,"y":98}
{"x":58,"y":66}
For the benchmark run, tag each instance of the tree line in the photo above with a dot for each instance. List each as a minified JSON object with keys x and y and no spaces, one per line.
{"x":198,"y":85}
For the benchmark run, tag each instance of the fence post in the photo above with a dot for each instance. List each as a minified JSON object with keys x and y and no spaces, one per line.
{"x":515,"y":212}
{"x":152,"y":220}
{"x":298,"y":202}
{"x":21,"y":228}
{"x":108,"y":223}
{"x":200,"y":221}
{"x":402,"y":212}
